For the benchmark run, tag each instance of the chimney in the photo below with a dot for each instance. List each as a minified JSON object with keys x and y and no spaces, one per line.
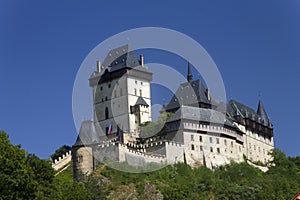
{"x":98,"y":66}
{"x":208,"y":94}
{"x":142,"y":60}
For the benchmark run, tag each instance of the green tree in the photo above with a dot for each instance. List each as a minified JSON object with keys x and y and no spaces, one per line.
{"x":60,"y":152}
{"x":22,"y":175}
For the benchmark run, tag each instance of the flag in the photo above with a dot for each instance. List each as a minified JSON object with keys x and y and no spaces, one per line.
{"x":109,"y":129}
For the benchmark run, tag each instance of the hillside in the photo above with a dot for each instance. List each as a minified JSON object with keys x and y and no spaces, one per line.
{"x":233,"y":181}
{"x":25,"y":176}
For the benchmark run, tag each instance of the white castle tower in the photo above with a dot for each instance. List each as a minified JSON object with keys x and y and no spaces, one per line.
{"x":121,"y":93}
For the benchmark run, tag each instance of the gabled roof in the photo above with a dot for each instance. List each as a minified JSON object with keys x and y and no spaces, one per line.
{"x":189,"y":94}
{"x":141,"y":101}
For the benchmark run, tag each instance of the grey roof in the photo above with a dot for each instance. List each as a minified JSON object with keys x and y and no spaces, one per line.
{"x":87,"y":134}
{"x":235,"y":108}
{"x":141,"y":101}
{"x":189,"y":93}
{"x":122,"y":57}
{"x":261,"y":112}
{"x":201,"y":114}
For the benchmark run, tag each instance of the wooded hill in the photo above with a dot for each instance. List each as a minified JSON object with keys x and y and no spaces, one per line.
{"x":25,"y":176}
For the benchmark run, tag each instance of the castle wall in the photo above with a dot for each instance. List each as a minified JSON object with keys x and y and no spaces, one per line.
{"x":174,"y":152}
{"x":108,"y":152}
{"x":256,"y":147}
{"x":211,"y":145}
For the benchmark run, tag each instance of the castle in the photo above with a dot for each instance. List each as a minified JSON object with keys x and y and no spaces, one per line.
{"x":197,"y":133}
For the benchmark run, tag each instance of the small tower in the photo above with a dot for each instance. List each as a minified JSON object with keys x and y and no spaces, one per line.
{"x":263,"y":114}
{"x":82,"y":151}
{"x":141,"y":110}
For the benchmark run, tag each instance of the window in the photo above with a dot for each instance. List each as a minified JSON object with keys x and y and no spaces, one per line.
{"x":211,"y":149}
{"x":106,"y":98}
{"x":210,"y":140}
{"x":200,"y":138}
{"x":109,"y":85}
{"x":141,"y":83}
{"x":231,"y":144}
{"x":217,"y":140}
{"x":140,"y":92}
{"x":218,"y":150}
{"x":101,"y":88}
{"x":135,"y":92}
{"x":106,"y":113}
{"x":80,"y":159}
{"x":201,"y":148}
{"x":192,"y":137}
{"x":225,"y":142}
{"x":135,"y":81}
{"x":192,"y":147}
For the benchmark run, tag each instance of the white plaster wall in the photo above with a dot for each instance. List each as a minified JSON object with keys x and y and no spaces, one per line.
{"x":174,"y":152}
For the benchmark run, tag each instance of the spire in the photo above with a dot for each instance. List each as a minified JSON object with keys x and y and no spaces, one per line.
{"x":189,"y":76}
{"x":262,"y":113}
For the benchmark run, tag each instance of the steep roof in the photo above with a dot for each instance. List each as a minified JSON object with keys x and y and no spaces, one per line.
{"x":119,"y":58}
{"x":201,"y":114}
{"x":141,"y":101}
{"x":87,"y":134}
{"x":189,"y":93}
{"x":117,"y":62}
{"x":235,"y":108}
{"x":261,"y":111}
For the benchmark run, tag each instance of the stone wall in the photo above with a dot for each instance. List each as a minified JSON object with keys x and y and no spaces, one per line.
{"x":62,"y":161}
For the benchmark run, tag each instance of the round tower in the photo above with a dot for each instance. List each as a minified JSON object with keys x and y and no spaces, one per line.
{"x":82,"y":157}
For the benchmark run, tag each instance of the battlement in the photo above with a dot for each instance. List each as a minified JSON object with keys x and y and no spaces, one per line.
{"x":62,"y":161}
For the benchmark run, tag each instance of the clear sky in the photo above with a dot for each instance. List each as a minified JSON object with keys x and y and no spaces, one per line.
{"x":255,"y":45}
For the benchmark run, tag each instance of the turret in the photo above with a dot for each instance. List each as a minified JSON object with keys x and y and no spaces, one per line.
{"x":262,"y":113}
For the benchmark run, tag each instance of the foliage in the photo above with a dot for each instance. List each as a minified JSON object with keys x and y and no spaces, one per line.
{"x":157,"y":128}
{"x":60,"y":152}
{"x":25,"y":176}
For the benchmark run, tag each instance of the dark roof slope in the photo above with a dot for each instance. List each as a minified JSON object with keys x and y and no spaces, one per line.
{"x":235,"y":108}
{"x":87,"y":134}
{"x":189,"y":93}
{"x":201,"y":114}
{"x":261,"y":112}
{"x":141,"y":101}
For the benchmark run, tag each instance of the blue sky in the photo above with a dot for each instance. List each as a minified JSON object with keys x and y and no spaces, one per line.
{"x":255,"y":45}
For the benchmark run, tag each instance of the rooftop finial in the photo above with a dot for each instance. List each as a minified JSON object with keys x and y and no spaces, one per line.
{"x":189,"y":76}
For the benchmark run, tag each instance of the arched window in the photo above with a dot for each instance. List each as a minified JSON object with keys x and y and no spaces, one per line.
{"x":106,"y":113}
{"x":140,"y":92}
